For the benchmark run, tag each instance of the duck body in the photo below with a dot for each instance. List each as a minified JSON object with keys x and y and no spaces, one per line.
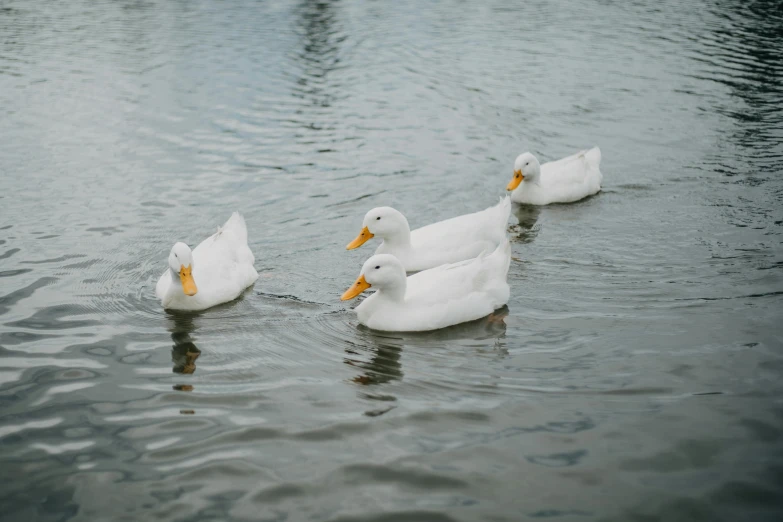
{"x":563,"y":181}
{"x":221,"y":267}
{"x":434,"y":298}
{"x":449,"y":241}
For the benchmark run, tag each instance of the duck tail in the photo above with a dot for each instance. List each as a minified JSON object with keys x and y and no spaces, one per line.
{"x":503,"y":211}
{"x":236,"y":224}
{"x":593,"y":156}
{"x":493,"y":265}
{"x":503,"y":252}
{"x":500,"y":257}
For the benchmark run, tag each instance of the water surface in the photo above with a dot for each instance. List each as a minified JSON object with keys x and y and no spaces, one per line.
{"x":636,"y":374}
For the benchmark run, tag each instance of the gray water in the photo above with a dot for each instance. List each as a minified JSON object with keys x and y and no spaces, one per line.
{"x":636,"y":374}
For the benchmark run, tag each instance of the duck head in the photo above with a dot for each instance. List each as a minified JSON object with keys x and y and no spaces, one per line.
{"x":181,"y":266}
{"x":526,"y":168}
{"x":384,"y":222}
{"x":383,"y":272}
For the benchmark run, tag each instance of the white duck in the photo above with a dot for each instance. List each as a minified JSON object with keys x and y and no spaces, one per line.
{"x":456,"y":239}
{"x":562,"y":181}
{"x":215,"y":272}
{"x":434,"y":298}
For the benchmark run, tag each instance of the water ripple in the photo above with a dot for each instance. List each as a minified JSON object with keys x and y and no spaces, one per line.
{"x":642,"y":320}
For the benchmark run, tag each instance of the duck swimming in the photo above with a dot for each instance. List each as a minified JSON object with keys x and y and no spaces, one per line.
{"x":215,"y":272}
{"x":456,"y":239}
{"x":434,"y":298}
{"x":563,"y":181}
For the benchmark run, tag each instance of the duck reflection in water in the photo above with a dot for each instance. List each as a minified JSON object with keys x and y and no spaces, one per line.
{"x":318,"y":23}
{"x":386,"y":348}
{"x":527,"y":216}
{"x":384,"y":364}
{"x":184,"y":352}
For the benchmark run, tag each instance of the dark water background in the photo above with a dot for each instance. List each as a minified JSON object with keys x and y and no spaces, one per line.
{"x":637,"y":374}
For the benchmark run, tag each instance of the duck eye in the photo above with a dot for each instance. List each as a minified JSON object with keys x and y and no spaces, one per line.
{"x":377,"y":267}
{"x":378,"y":218}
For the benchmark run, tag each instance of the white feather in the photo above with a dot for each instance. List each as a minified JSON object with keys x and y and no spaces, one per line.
{"x":563,"y":181}
{"x":438,"y":297}
{"x":456,"y":239}
{"x":222,"y":269}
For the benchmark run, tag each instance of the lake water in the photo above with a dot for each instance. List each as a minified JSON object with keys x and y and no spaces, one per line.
{"x":636,"y":374}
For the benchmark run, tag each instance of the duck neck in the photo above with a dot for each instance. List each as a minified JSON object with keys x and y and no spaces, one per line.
{"x":395,"y":292}
{"x":176,"y":282}
{"x":399,"y":240}
{"x":535,"y":178}
{"x":529,"y":184}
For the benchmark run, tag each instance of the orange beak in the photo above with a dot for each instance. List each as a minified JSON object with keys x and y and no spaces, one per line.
{"x":516,"y":180}
{"x":188,"y":284}
{"x":357,"y":288}
{"x":364,"y":236}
